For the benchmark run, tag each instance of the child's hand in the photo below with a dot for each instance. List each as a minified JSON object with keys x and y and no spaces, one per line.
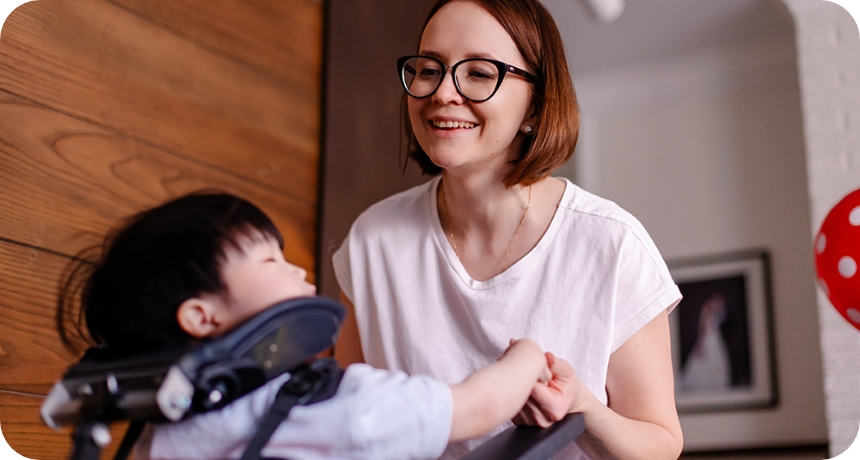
{"x":522,"y":346}
{"x":530,"y":346}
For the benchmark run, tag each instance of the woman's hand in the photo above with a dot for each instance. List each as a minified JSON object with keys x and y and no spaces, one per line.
{"x":550,"y":402}
{"x":640,"y":422}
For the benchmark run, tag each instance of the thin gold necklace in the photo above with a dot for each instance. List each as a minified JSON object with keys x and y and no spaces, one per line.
{"x":503,"y":265}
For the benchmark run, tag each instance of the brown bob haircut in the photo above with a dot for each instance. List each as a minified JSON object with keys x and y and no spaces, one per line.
{"x":533,"y":30}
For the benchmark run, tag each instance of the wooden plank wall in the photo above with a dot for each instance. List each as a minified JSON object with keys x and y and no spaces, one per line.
{"x":108,"y":107}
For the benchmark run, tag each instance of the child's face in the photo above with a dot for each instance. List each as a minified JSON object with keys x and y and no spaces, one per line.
{"x":257,"y":277}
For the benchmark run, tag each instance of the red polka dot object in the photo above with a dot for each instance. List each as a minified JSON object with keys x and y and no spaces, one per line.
{"x":837,"y":257}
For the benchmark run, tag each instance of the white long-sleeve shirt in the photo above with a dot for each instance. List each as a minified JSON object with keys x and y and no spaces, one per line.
{"x":375,"y":414}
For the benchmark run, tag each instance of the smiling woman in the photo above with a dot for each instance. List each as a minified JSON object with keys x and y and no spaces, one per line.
{"x":443,"y":275}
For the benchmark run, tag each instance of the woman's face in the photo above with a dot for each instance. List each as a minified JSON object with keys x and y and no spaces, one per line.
{"x":486,"y":133}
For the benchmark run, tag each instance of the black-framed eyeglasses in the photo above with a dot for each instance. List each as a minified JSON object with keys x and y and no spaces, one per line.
{"x":476,"y":79}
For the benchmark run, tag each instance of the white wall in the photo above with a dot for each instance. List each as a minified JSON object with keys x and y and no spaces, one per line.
{"x":829,"y":72}
{"x":707,"y":150}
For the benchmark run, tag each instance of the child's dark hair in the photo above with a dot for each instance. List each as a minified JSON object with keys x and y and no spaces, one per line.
{"x":149,"y":265}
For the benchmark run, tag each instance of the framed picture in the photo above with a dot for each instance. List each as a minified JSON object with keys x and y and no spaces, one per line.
{"x":722,"y":337}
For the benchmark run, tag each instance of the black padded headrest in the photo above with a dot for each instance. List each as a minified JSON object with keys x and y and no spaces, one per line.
{"x":173,"y":384}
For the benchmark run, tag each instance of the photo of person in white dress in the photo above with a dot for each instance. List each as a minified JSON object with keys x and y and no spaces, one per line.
{"x":714,"y":338}
{"x":708,"y":365}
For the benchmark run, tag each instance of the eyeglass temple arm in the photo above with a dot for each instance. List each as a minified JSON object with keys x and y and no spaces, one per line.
{"x":523,"y":73}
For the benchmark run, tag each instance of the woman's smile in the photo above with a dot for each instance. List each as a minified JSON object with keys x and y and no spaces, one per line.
{"x":448,"y":128}
{"x":452,"y":124}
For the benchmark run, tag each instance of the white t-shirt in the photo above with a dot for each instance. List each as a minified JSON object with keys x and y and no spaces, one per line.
{"x":591,"y":282}
{"x":375,"y":414}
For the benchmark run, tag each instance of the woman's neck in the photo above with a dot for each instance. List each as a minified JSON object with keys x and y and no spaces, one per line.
{"x":480,"y":203}
{"x":491,"y":226}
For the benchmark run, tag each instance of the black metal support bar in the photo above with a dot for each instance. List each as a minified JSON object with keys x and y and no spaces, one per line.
{"x":530,"y":443}
{"x":84,"y":445}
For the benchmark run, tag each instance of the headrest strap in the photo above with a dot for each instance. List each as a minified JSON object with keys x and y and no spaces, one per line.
{"x":132,"y":433}
{"x":307,"y":385}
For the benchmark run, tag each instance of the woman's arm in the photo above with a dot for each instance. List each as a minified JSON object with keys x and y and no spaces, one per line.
{"x":347,"y":350}
{"x":641,"y":421}
{"x":492,"y":395}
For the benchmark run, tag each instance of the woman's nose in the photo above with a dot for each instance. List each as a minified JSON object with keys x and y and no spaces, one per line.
{"x":447,"y":92}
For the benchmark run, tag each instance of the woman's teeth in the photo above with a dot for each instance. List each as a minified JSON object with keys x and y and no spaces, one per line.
{"x":453,"y":124}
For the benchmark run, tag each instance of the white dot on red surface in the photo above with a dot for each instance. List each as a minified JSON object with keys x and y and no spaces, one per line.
{"x":854,"y":315}
{"x":820,"y":243}
{"x":854,"y":217}
{"x":847,"y":267}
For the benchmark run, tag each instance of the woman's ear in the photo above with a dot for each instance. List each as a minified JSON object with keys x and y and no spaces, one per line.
{"x":528,"y":125}
{"x":198,"y":317}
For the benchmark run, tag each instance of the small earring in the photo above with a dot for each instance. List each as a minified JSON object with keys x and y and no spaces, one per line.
{"x":528,"y":129}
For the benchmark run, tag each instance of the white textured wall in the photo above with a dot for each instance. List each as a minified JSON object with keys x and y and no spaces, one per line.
{"x":829,"y":75}
{"x":708,"y":151}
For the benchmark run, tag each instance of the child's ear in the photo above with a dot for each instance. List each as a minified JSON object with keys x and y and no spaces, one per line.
{"x":198,"y":317}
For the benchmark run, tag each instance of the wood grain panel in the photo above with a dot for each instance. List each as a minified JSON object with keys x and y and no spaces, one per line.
{"x":103,"y":63}
{"x":108,"y":107}
{"x":25,"y":432}
{"x":32,"y":357}
{"x":271,"y":35}
{"x":66,"y":182}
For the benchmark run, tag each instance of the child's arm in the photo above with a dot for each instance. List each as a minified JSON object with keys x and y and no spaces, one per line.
{"x":494,"y":394}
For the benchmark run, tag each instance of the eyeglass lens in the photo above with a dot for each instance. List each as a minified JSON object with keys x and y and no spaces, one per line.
{"x":476,"y":79}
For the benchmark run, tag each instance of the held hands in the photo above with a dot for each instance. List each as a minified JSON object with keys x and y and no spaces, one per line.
{"x":531,"y":347}
{"x":551,"y":400}
{"x":493,"y":394}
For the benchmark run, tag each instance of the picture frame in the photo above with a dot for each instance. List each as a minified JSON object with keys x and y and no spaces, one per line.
{"x":722,"y":333}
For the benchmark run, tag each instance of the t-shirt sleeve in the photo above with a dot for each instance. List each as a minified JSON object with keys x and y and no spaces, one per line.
{"x":395,"y":416}
{"x":644,"y":287}
{"x":342,"y":270}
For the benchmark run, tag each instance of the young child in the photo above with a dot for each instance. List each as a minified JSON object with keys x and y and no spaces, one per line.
{"x":202,"y":264}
